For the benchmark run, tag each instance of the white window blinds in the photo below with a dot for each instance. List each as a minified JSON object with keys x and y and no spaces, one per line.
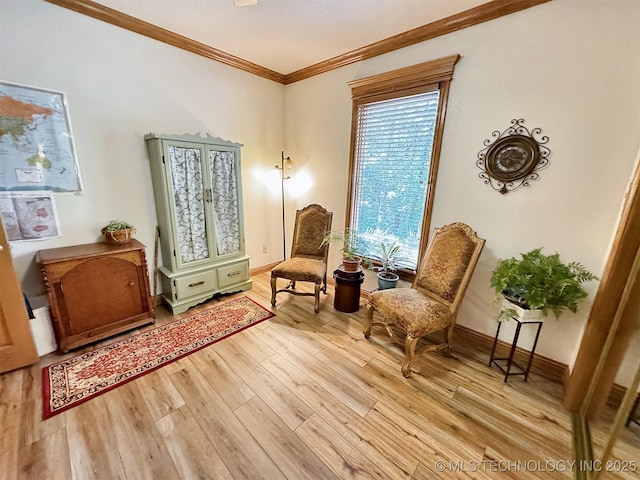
{"x":392,"y":156}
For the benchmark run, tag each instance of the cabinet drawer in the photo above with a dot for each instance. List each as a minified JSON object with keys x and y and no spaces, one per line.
{"x":236,"y":273}
{"x":195,"y":284}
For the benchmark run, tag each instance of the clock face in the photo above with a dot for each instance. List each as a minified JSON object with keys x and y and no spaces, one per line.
{"x":512,"y":158}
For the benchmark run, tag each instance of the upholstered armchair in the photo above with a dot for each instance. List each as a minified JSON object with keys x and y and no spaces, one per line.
{"x":432,"y":302}
{"x":308,"y":262}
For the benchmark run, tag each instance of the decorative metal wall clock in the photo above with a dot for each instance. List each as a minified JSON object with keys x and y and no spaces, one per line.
{"x":513,"y":158}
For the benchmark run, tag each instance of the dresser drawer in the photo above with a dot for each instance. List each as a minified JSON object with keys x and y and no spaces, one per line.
{"x":195,"y":284}
{"x":232,"y":274}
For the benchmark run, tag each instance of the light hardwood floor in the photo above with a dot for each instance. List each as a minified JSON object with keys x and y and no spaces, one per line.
{"x":299,"y":396}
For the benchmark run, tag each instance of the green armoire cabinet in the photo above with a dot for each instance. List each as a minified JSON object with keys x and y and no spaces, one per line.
{"x":197,"y":186}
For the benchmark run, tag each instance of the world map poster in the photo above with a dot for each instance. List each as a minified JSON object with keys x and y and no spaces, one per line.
{"x":36,"y":145}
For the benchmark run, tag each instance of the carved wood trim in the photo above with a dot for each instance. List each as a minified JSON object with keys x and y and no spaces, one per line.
{"x":468,"y":18}
{"x":408,"y":78}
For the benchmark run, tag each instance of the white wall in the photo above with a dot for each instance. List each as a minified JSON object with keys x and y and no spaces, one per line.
{"x":120,"y":86}
{"x":571,"y":68}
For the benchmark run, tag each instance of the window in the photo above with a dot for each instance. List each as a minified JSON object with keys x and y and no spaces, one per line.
{"x":398,"y":118}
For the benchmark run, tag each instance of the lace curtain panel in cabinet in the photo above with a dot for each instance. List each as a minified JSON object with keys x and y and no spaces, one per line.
{"x":226,"y":217}
{"x":189,"y":203}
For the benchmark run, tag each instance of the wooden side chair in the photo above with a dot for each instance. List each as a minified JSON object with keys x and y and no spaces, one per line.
{"x":308,"y":262}
{"x":432,"y":302}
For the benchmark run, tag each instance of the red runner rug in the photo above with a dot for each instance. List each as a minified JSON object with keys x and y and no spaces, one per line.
{"x":77,"y":379}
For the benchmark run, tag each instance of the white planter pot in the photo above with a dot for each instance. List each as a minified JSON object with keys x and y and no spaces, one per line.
{"x":523,"y":314}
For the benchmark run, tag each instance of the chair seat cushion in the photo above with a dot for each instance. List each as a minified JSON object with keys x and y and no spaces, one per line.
{"x":414,"y":311}
{"x":301,"y":269}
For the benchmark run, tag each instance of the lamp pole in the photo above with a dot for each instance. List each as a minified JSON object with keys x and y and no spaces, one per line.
{"x":284,"y":238}
{"x":284,"y":163}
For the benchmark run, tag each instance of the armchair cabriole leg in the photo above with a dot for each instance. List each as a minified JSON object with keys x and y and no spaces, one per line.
{"x":317,"y":294}
{"x":368,"y":322}
{"x":273,"y":290}
{"x":409,"y":355}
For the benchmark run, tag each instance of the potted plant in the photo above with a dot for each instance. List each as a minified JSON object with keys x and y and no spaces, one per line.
{"x":386,"y":257}
{"x":118,"y":232}
{"x":348,"y":242}
{"x":539,"y":282}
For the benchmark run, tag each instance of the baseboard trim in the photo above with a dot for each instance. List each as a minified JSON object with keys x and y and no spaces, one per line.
{"x":264,"y":268}
{"x":616,"y":394}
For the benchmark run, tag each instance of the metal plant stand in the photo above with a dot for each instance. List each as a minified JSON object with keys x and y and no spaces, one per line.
{"x":506,"y":369}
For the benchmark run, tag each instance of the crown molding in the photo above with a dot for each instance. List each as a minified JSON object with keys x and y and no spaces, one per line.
{"x":474,"y":16}
{"x":119,"y":19}
{"x":468,"y":18}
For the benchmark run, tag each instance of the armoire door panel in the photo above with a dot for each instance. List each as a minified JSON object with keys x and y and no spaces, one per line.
{"x":187,"y":203}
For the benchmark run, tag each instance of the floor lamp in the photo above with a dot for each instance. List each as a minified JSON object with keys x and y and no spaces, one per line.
{"x":285,"y":164}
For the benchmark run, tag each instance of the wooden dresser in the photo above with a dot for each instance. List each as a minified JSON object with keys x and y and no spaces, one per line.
{"x":96,"y":290}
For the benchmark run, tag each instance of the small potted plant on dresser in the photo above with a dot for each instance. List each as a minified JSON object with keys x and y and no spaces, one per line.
{"x":386,"y":258}
{"x":348,"y":242}
{"x":118,"y":232}
{"x":536,"y":284}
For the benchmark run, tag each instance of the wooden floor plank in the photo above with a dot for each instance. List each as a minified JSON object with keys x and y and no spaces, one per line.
{"x":93,"y":449}
{"x":242,"y":455}
{"x":10,"y":413}
{"x":32,"y":428}
{"x":338,"y":385}
{"x":293,"y":458}
{"x":346,"y":461}
{"x":290,"y":408}
{"x":300,"y":395}
{"x":254,"y":347}
{"x":371,"y":442}
{"x":160,"y":395}
{"x":229,"y":385}
{"x":517,"y":427}
{"x":191,"y":450}
{"x":46,"y":458}
{"x":140,"y":445}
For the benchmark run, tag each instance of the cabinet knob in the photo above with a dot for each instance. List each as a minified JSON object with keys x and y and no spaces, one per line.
{"x":1,"y":248}
{"x":131,"y":284}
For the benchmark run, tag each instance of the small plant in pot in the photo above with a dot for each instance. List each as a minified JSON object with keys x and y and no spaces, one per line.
{"x":386,"y":257}
{"x":539,"y":282}
{"x":118,"y":232}
{"x":348,"y":242}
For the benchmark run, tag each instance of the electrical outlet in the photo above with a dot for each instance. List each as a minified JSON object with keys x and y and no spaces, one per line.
{"x":264,"y":249}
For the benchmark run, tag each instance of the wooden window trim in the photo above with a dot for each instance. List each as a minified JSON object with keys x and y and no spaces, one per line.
{"x":403,"y":82}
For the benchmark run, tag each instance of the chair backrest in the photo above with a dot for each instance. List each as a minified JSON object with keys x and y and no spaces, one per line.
{"x":312,"y":224}
{"x":447,"y":265}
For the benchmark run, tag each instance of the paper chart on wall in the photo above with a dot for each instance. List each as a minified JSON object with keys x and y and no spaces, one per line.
{"x":36,"y":145}
{"x":29,"y":216}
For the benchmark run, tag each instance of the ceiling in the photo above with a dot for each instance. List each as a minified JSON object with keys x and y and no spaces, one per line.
{"x":289,"y":35}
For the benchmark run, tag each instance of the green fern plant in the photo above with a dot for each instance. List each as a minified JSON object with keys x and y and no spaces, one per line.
{"x":539,"y":281}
